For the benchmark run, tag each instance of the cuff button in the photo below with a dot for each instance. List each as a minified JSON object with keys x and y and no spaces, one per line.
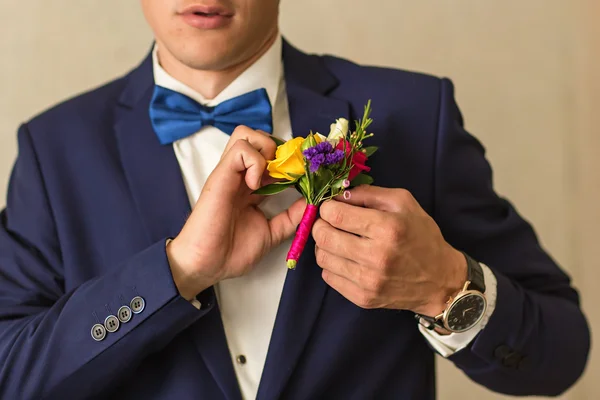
{"x":512,"y":360}
{"x":137,"y":304}
{"x":502,"y":351}
{"x":98,"y":332}
{"x":111,"y":323}
{"x":525,"y":364}
{"x":124,"y":314}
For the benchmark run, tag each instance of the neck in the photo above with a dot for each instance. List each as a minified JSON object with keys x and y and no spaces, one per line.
{"x":209,"y":83}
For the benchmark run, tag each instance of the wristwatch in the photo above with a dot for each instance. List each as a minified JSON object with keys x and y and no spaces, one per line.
{"x":466,"y":309}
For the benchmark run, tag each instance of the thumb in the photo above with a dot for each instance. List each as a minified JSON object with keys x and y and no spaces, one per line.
{"x":284,"y":224}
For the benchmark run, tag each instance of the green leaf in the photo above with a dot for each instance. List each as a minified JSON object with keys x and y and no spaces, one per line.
{"x":370,"y":150}
{"x":309,"y":142}
{"x":277,"y":141}
{"x":304,"y":186}
{"x":322,"y":179}
{"x":274,"y":188}
{"x":339,"y":184}
{"x":362,"y":179}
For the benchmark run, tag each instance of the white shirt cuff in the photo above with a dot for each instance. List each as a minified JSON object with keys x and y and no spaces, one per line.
{"x":446,"y":345}
{"x":196,"y":303}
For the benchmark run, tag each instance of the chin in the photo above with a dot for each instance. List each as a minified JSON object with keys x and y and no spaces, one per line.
{"x":207,"y":61}
{"x":209,"y":54}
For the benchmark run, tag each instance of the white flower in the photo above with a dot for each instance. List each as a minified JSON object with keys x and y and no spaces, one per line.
{"x":323,"y":138}
{"x":339,"y":130}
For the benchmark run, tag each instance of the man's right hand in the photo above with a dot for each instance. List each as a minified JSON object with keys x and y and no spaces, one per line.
{"x":227,"y":234}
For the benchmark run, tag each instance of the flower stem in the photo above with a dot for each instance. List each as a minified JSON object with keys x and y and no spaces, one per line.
{"x":308,"y":219}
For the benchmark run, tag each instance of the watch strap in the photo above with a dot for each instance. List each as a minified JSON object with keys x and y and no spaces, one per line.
{"x":428,"y":322}
{"x":475,"y":275}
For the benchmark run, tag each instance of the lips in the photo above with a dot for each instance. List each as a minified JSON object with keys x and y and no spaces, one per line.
{"x":206,"y":17}
{"x":206,"y":14}
{"x":207,"y":11}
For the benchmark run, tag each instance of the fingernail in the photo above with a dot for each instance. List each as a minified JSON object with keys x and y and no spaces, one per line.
{"x":347,"y":195}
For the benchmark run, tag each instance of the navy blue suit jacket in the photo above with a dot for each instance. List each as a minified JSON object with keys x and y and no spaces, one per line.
{"x":93,"y":197}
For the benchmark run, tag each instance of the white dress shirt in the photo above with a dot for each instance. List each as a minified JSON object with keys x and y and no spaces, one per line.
{"x":248,"y":304}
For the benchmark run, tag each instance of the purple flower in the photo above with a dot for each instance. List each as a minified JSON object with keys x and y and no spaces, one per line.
{"x":322,"y":154}
{"x":316,"y":162}
{"x":310,"y":152}
{"x":334,"y":158}
{"x":324,"y":147}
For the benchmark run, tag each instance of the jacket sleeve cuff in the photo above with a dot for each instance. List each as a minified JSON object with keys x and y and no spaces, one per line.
{"x":503,"y":324}
{"x":148,"y":277}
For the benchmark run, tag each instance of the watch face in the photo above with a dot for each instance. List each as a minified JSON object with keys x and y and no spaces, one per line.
{"x":466,"y":312}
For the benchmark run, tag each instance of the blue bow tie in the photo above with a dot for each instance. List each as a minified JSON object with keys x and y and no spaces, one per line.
{"x":175,"y":116}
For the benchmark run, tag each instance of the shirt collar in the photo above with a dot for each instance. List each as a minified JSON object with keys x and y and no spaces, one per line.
{"x":266,"y":73}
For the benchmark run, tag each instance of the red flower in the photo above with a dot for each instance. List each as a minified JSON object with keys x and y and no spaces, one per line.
{"x":359,"y":160}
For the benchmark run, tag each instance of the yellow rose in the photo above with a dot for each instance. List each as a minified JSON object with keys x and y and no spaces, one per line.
{"x":288,"y":160}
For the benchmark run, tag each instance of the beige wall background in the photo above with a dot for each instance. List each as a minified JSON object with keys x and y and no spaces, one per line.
{"x":527,"y":75}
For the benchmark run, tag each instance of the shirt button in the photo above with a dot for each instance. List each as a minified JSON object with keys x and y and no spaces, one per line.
{"x":137,"y":304}
{"x":241,"y":359}
{"x":98,"y":332}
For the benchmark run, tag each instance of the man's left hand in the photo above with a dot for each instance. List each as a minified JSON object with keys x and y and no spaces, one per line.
{"x":380,"y":249}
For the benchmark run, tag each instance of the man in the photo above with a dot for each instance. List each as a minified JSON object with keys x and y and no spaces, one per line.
{"x":135,"y":262}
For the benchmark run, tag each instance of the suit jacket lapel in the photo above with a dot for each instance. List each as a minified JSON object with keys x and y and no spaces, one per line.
{"x":151,"y":169}
{"x":307,"y":83}
{"x":157,"y":186}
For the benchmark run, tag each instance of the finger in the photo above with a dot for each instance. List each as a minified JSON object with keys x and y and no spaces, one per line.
{"x":338,"y":265}
{"x":260,"y":140}
{"x":242,"y":162}
{"x":347,"y":289}
{"x":379,"y":198}
{"x":248,"y":159}
{"x":255,"y":199}
{"x":340,"y":243}
{"x":284,"y":224}
{"x":268,"y":179}
{"x":350,"y":218}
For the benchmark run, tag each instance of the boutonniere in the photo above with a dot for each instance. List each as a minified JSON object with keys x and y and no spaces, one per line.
{"x":320,"y":168}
